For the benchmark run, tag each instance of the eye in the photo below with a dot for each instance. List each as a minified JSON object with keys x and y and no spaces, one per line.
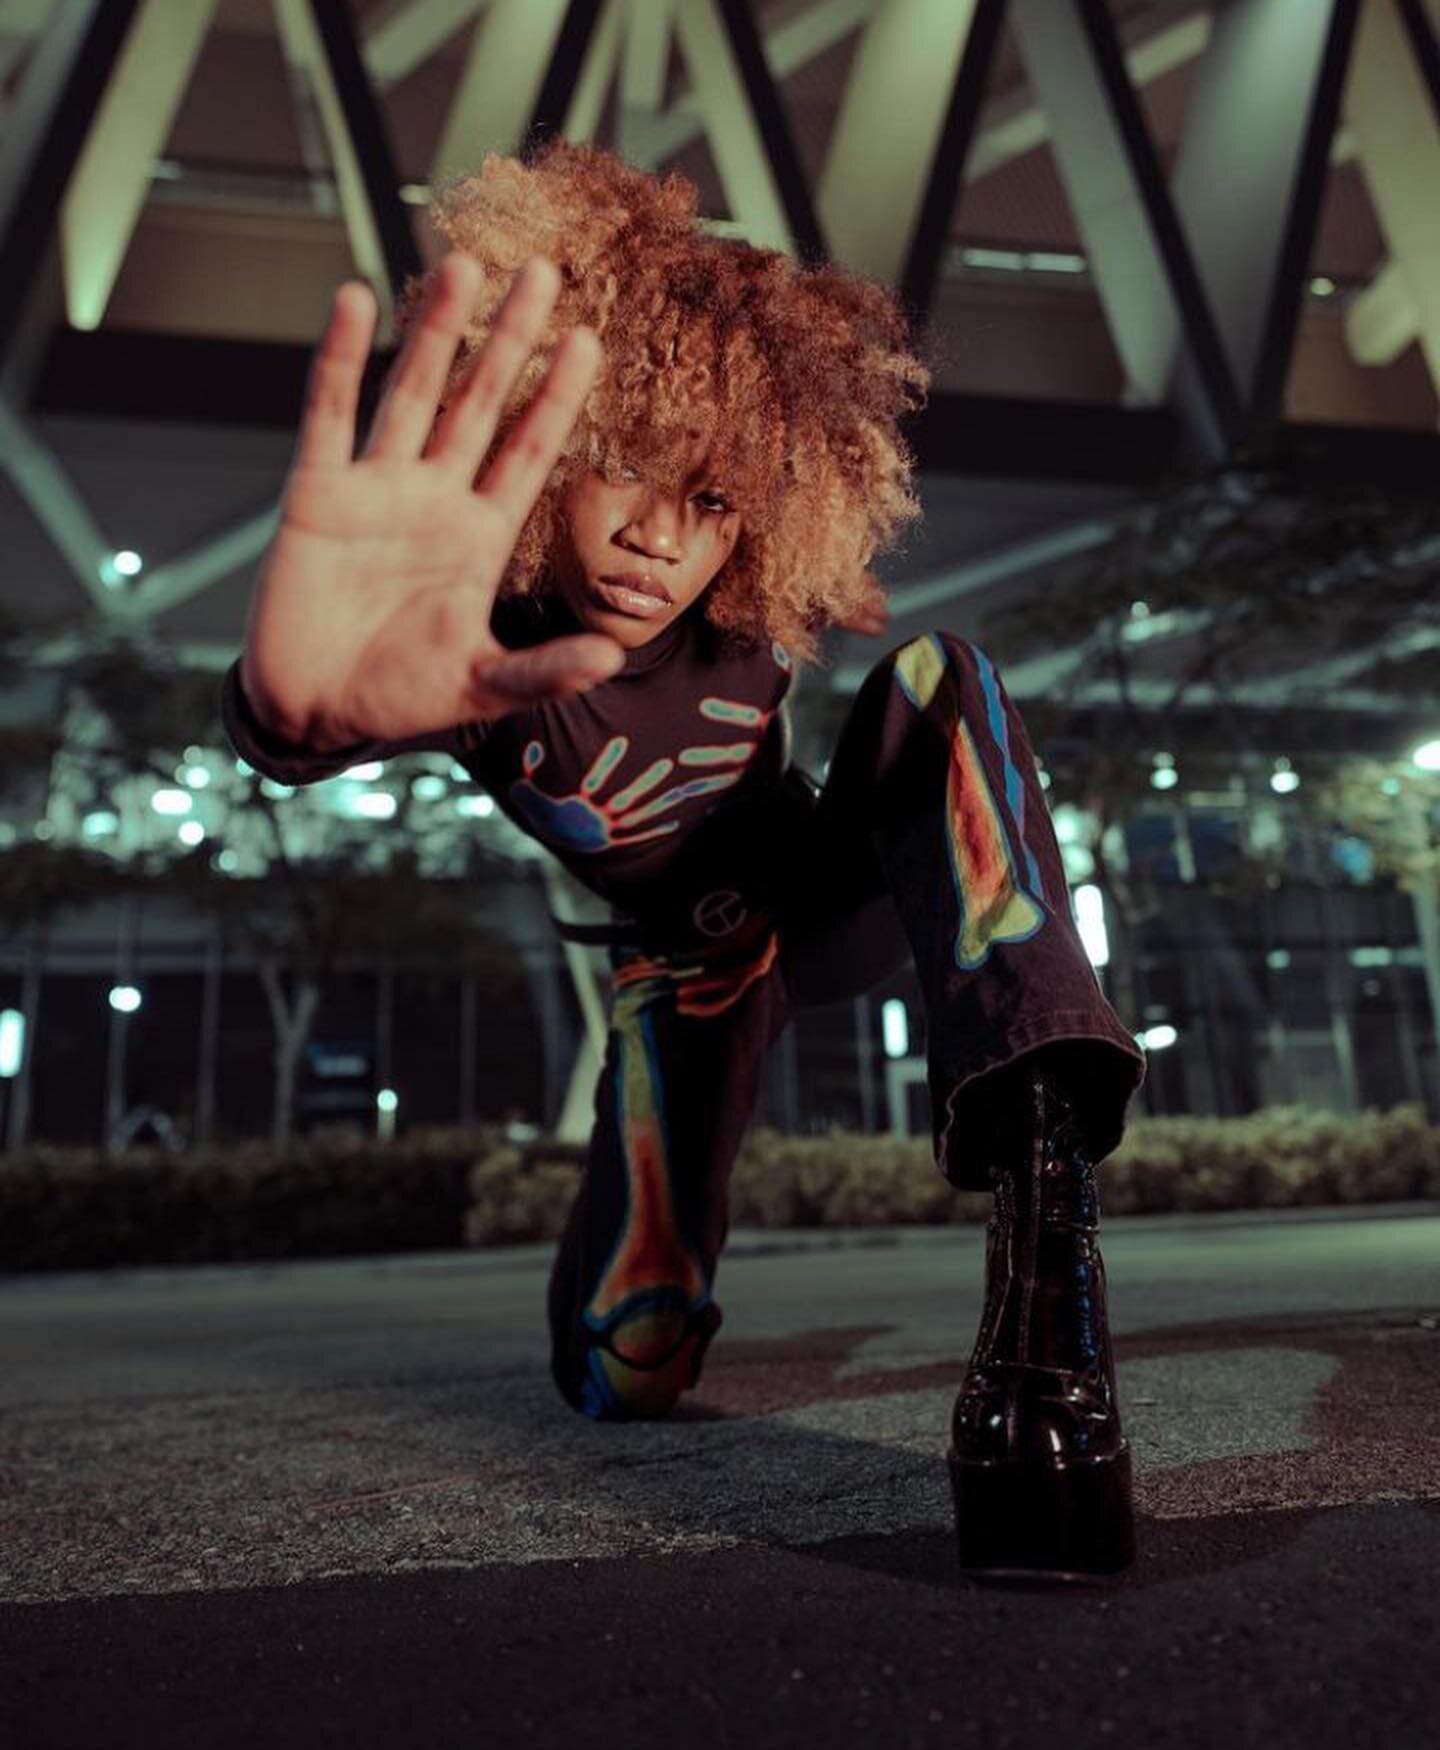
{"x":718,"y":505}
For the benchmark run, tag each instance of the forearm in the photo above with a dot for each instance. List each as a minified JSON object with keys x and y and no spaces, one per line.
{"x":288,"y":761}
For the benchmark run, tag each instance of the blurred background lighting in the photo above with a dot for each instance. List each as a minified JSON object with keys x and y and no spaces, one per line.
{"x":12,"y":1041}
{"x":429,"y":787}
{"x":1427,"y":756}
{"x":268,"y":787}
{"x":99,"y":824}
{"x":1164,"y":778}
{"x":1284,"y":778}
{"x":190,"y":832}
{"x":365,"y":772}
{"x":124,"y":998}
{"x":1278,"y":959}
{"x":386,"y":1102}
{"x":1090,"y":921}
{"x":195,"y":776}
{"x":116,"y":568}
{"x":171,"y":802}
{"x":895,"y":1027}
{"x":375,"y":805}
{"x":478,"y":806}
{"x":1157,"y":1038}
{"x":1379,"y":956}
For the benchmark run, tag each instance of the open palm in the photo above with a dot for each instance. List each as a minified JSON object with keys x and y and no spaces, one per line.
{"x":370,"y":618}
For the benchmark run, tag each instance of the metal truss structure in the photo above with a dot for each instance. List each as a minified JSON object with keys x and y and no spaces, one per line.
{"x":1199,"y":265}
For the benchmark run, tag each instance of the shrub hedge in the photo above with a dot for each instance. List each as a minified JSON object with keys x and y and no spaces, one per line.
{"x":432,"y":1189}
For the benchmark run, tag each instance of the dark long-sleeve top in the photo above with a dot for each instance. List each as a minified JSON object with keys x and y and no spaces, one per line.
{"x":616,"y":781}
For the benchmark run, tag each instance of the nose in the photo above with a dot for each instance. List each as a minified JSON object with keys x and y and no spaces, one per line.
{"x":654,"y":529}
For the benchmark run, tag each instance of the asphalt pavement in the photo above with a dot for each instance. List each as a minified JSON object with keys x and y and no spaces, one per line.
{"x":341,"y":1502}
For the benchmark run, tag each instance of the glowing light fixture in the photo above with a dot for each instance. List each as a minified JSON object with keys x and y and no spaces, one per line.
{"x":386,"y":1102}
{"x":190,"y":832}
{"x":1284,"y":778}
{"x":375,"y":805}
{"x":125,"y":999}
{"x":116,"y":568}
{"x":1157,"y":1038}
{"x":172,"y":802}
{"x":476,"y":807}
{"x":12,"y":1042}
{"x":895,"y":1027}
{"x":1090,"y":921}
{"x":1427,"y":755}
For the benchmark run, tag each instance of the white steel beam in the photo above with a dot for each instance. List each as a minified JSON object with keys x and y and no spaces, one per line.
{"x":788,"y":47}
{"x":884,"y":138}
{"x":1105,"y":200}
{"x":1381,"y":321}
{"x":597,"y":73}
{"x":731,"y":131}
{"x":1392,"y":121}
{"x":303,"y":48}
{"x":649,"y":27}
{"x":510,"y":52}
{"x":1233,"y":182}
{"x":36,"y":474}
{"x":186,"y":575}
{"x":112,"y":176}
{"x":411,"y":34}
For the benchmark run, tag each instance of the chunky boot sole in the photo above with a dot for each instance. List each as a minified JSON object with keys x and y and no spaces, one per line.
{"x":1044,"y":1522}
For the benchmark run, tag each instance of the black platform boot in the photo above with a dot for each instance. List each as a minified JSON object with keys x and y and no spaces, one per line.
{"x":1040,"y":1469}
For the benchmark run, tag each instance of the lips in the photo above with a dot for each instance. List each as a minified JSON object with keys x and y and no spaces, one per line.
{"x":641,"y":582}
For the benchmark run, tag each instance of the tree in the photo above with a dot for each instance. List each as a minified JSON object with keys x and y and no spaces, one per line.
{"x":1222,"y":600}
{"x":302,"y":885}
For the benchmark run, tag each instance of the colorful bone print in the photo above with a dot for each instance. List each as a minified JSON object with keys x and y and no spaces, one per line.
{"x":996,"y":902}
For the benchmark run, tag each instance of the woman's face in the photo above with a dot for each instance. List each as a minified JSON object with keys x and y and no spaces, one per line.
{"x":632,"y":557}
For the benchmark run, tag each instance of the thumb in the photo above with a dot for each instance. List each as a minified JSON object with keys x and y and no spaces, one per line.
{"x":553,"y":670}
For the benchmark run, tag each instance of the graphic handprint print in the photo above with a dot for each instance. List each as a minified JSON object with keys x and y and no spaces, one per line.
{"x":584,"y":821}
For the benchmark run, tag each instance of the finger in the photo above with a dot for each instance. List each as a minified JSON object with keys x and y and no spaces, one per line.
{"x":466,"y":429}
{"x":332,"y":388}
{"x":515,"y":478}
{"x":408,"y":404}
{"x":553,"y":670}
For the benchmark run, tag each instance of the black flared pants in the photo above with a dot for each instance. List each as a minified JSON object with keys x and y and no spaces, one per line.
{"x":930,"y":838}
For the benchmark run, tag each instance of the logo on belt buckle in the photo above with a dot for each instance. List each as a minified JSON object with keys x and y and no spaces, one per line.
{"x":720,"y":913}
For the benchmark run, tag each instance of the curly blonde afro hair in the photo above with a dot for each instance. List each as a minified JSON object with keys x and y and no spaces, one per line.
{"x":797,"y":375}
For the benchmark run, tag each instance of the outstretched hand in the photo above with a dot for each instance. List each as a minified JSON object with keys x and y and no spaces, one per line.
{"x":370,"y":618}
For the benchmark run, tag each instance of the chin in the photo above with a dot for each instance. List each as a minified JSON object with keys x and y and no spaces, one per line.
{"x":627,"y":629}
